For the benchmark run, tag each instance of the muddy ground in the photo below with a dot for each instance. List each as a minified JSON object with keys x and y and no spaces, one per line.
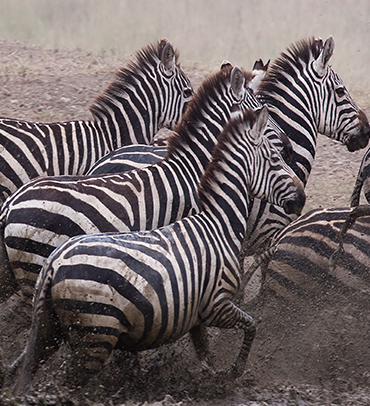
{"x":304,"y":354}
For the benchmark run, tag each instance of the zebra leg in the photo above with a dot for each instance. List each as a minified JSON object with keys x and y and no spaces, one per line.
{"x":44,"y":339}
{"x":354,"y":214}
{"x":229,"y":316}
{"x":8,"y":283}
{"x":199,"y":338}
{"x":262,"y":261}
{"x":355,"y":197}
{"x":92,"y":344}
{"x":362,"y":181}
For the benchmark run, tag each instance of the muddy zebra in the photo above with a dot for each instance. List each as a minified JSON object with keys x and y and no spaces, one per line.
{"x":141,"y":290}
{"x":305,"y":262}
{"x":305,"y":97}
{"x":149,"y":93}
{"x":47,"y":211}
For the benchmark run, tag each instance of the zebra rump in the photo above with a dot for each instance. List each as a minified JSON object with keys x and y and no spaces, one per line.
{"x":145,"y":289}
{"x":149,"y":93}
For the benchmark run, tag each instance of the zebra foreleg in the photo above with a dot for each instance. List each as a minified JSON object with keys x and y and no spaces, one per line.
{"x":262,"y":261}
{"x":231,"y":316}
{"x":354,"y":214}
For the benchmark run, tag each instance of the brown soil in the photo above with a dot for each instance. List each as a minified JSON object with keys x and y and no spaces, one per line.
{"x":304,"y":354}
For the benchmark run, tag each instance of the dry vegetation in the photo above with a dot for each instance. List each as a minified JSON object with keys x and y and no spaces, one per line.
{"x":236,"y":30}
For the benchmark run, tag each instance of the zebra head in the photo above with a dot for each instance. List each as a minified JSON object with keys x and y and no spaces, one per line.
{"x":149,"y":93}
{"x":271,"y":178}
{"x":174,"y":85}
{"x":339,"y":116}
{"x":272,"y":130}
{"x":257,"y":168}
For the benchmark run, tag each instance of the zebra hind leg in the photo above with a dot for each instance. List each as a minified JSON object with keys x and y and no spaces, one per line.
{"x":44,"y":339}
{"x":8,"y":283}
{"x":199,"y":338}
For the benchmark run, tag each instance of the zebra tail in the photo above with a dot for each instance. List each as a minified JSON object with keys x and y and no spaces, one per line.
{"x":44,"y":337}
{"x":8,"y":282}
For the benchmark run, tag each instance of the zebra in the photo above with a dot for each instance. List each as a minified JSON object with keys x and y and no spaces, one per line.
{"x":47,"y":211}
{"x":129,"y":157}
{"x":151,"y":92}
{"x":141,"y":290}
{"x":305,"y":97}
{"x":362,"y":181}
{"x":304,"y":262}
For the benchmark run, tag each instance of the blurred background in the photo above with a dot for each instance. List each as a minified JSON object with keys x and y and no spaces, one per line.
{"x":205,"y":31}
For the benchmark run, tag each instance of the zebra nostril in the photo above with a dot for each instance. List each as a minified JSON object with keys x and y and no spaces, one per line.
{"x":358,"y":141}
{"x":295,"y":206}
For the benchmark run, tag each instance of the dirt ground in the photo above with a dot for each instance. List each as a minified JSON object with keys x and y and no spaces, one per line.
{"x":306,"y":354}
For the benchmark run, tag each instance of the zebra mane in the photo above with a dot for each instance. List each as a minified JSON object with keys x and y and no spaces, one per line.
{"x":297,"y":55}
{"x":127,"y":75}
{"x":209,"y":90}
{"x":232,"y":133}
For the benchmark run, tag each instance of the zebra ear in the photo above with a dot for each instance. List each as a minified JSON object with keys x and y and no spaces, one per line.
{"x":258,"y":65}
{"x":321,"y":62}
{"x":237,"y":81}
{"x":225,"y":64}
{"x":168,"y":57}
{"x":259,"y":72}
{"x":261,"y":122}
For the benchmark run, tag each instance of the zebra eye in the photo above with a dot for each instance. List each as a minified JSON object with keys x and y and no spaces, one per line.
{"x":188,"y":93}
{"x":340,"y":91}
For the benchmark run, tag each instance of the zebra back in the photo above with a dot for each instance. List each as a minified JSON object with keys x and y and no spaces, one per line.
{"x":129,"y":158}
{"x":149,"y":93}
{"x":305,"y":97}
{"x":47,"y":211}
{"x":164,"y":282}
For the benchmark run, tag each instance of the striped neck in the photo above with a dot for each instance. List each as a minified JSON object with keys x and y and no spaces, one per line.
{"x":210,"y":109}
{"x":293,"y":93}
{"x":142,"y":97}
{"x":226,"y":188}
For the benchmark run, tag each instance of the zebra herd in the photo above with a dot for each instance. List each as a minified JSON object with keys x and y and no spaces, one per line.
{"x":131,"y":246}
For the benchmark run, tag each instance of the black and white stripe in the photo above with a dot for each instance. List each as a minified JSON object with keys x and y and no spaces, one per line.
{"x":145,"y":289}
{"x":47,"y":211}
{"x":305,"y":97}
{"x":149,"y":93}
{"x":127,"y":158}
{"x":304,"y":262}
